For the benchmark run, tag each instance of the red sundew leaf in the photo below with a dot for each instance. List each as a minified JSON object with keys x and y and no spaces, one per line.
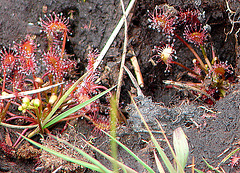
{"x":54,"y":23}
{"x":234,"y":161}
{"x":195,"y":34}
{"x":220,"y":70}
{"x":8,"y":139}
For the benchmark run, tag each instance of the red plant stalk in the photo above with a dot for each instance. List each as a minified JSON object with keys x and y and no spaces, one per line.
{"x":64,"y":43}
{"x":23,"y":117}
{"x":4,"y":111}
{"x":4,"y":79}
{"x":188,"y":69}
{"x":19,"y":138}
{"x":202,"y":66}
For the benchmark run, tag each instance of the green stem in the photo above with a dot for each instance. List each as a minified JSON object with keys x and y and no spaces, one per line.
{"x":205,"y":57}
{"x":113,"y":125}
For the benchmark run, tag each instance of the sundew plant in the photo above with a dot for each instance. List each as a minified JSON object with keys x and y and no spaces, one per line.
{"x":213,"y":75}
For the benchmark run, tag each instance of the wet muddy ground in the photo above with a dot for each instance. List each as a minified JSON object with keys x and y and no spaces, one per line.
{"x":212,"y":130}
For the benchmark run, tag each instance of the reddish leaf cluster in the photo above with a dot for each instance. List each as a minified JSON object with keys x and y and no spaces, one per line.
{"x":86,"y":90}
{"x":57,"y":66}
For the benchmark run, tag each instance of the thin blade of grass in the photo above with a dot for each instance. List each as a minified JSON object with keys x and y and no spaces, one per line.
{"x":159,"y":149}
{"x":111,"y":159}
{"x":228,"y":156}
{"x":84,"y":154}
{"x":75,"y":108}
{"x":158,"y":163}
{"x":131,"y":153}
{"x":198,"y":171}
{"x":171,"y":149}
{"x":63,"y":98}
{"x":113,"y":115}
{"x":123,"y":169}
{"x":85,"y":164}
{"x":210,"y":166}
{"x":113,"y":35}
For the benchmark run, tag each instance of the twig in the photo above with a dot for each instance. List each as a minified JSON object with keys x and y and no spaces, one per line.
{"x":137,"y":70}
{"x":134,"y":81}
{"x":168,"y":82}
{"x":29,"y":92}
{"x":123,"y":55}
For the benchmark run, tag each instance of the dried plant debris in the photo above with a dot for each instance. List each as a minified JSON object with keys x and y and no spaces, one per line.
{"x":52,"y":162}
{"x":27,"y":151}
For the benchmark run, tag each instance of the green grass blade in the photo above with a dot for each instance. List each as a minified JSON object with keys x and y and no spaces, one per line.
{"x":211,"y":167}
{"x":84,"y":154}
{"x":63,"y":98}
{"x":111,"y":159}
{"x":171,"y":149}
{"x":113,"y":124}
{"x":131,"y":153}
{"x":163,"y":155}
{"x":159,"y":149}
{"x":74,"y":109}
{"x":228,"y":156}
{"x":84,"y":164}
{"x":198,"y":171}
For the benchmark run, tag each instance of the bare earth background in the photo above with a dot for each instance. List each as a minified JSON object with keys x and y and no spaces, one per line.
{"x":92,"y":22}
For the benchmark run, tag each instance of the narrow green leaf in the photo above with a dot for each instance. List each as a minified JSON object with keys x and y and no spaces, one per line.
{"x":131,"y":153}
{"x":84,"y":154}
{"x":228,"y":156}
{"x":198,"y":171}
{"x":84,"y":164}
{"x":171,"y":149}
{"x":76,"y":108}
{"x":211,"y":167}
{"x":163,"y":155}
{"x":111,"y":159}
{"x":63,"y":98}
{"x":113,"y":115}
{"x":159,"y":149}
